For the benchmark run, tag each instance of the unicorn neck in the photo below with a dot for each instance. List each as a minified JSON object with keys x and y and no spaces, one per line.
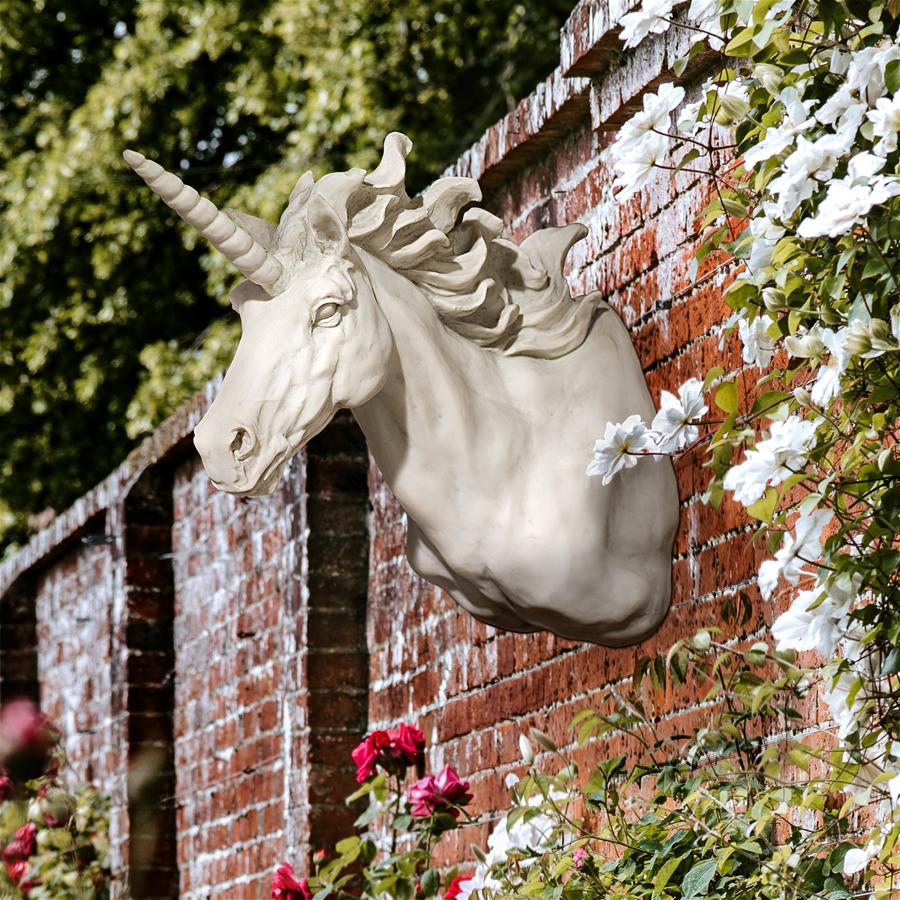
{"x":427,"y":417}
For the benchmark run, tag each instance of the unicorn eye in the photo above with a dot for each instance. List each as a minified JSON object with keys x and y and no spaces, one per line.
{"x":327,"y":314}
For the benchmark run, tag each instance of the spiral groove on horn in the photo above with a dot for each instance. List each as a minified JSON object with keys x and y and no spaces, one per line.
{"x":235,"y":244}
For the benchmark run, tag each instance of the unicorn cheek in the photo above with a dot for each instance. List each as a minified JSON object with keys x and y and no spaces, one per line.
{"x":361,"y":365}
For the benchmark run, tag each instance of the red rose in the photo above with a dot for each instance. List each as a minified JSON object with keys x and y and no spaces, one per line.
{"x":454,"y":889}
{"x":407,"y":743}
{"x":393,"y":750}
{"x":286,"y":887}
{"x":15,"y":857}
{"x":444,"y":791}
{"x":367,"y":753}
{"x":16,"y":870}
{"x":23,"y":843}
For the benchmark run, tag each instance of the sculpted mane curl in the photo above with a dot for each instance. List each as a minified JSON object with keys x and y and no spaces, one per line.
{"x":489,"y":290}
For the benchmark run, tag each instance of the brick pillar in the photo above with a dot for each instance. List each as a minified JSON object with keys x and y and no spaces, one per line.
{"x":337,"y":663}
{"x":18,"y":642}
{"x":147,"y":664}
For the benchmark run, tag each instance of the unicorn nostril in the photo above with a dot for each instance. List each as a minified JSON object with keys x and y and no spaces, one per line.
{"x":242,"y":444}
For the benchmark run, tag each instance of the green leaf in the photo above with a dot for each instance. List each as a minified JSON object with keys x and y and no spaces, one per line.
{"x":696,"y":881}
{"x":764,"y":508}
{"x":726,"y":397}
{"x":431,"y":882}
{"x":363,"y":790}
{"x":735,"y":208}
{"x":688,"y":158}
{"x":666,"y":872}
{"x":768,"y":401}
{"x":741,"y":43}
{"x":892,"y":663}
{"x":714,"y":373}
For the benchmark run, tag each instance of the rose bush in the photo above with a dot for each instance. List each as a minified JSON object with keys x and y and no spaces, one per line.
{"x":391,"y":855}
{"x":55,"y":842}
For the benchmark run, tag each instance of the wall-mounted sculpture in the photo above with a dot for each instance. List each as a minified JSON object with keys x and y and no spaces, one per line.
{"x":479,"y":382}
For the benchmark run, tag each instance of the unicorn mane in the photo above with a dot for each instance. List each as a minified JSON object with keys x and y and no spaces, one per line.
{"x":513,"y":298}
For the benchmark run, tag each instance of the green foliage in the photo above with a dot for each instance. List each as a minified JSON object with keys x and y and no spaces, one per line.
{"x":111,"y":314}
{"x":717,"y":814}
{"x":72,"y":859}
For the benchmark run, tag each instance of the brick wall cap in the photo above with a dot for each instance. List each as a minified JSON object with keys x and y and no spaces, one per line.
{"x":549,"y":109}
{"x":113,"y":489}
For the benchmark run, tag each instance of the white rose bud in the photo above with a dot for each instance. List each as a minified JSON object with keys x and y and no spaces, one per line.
{"x":857,"y":340}
{"x":526,"y":750}
{"x":731,"y":109}
{"x":543,"y":740}
{"x":769,"y":76}
{"x":773,"y":299}
{"x":805,"y":346}
{"x":803,"y":396}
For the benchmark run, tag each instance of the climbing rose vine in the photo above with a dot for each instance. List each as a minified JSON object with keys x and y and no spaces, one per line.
{"x":796,"y":136}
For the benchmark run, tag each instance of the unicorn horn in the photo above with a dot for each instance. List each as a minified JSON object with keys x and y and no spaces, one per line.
{"x":247,"y":254}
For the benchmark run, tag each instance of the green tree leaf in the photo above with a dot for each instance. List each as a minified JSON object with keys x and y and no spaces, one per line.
{"x":696,"y":882}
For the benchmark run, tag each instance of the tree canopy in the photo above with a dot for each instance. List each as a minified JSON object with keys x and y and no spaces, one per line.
{"x":111,"y":311}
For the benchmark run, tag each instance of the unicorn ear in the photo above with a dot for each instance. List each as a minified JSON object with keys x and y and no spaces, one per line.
{"x":327,"y":230}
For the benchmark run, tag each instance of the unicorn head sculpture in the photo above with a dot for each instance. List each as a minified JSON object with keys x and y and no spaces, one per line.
{"x":479,"y":382}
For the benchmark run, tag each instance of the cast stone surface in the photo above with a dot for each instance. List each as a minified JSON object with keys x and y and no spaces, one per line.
{"x":479,"y":382}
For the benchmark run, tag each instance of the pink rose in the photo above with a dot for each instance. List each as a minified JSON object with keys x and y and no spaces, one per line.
{"x":286,"y":887}
{"x":578,"y":856}
{"x":444,"y":791}
{"x":368,"y":752}
{"x":26,"y":739}
{"x":407,"y":743}
{"x":16,"y":854}
{"x":23,"y":843}
{"x":7,"y":788}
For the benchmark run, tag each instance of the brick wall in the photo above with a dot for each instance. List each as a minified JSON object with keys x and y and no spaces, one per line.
{"x":72,"y":602}
{"x":270,"y":665}
{"x":213,"y":661}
